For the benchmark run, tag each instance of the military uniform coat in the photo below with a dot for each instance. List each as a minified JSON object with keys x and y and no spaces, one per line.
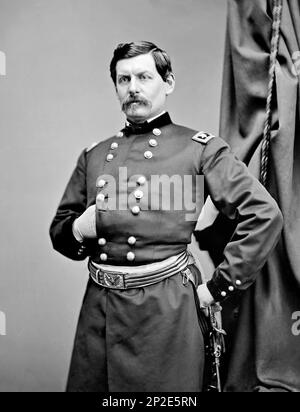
{"x":149,"y":339}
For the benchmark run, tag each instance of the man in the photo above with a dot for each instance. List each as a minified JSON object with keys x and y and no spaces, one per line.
{"x":140,"y":327}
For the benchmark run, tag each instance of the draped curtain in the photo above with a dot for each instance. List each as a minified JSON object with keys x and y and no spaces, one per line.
{"x":264,"y":328}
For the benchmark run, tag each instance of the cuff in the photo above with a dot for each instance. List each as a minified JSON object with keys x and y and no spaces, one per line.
{"x":221,"y":289}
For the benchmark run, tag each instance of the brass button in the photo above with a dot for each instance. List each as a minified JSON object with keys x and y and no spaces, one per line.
{"x":103,"y":257}
{"x":138,"y":194}
{"x":156,"y":132}
{"x":114,"y":146}
{"x":141,"y":180}
{"x":238,"y":282}
{"x":102,"y":241}
{"x":109,"y":157}
{"x":135,"y":210}
{"x":148,"y":154}
{"x":100,"y":197}
{"x":132,"y":240}
{"x":231,"y":288}
{"x":120,"y":134}
{"x":101,"y":183}
{"x":130,"y":256}
{"x":224,"y":294}
{"x":153,"y":143}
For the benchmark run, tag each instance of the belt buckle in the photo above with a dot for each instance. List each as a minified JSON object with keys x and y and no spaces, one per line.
{"x":112,"y":280}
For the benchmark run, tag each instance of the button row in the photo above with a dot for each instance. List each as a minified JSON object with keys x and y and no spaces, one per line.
{"x":141,"y":181}
{"x":138,"y":194}
{"x":156,"y":132}
{"x":131,"y":241}
{"x":113,"y":146}
{"x":81,"y":250}
{"x":148,"y":154}
{"x":231,"y":288}
{"x":130,"y":257}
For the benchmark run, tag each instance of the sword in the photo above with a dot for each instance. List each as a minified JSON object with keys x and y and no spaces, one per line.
{"x":215,"y":349}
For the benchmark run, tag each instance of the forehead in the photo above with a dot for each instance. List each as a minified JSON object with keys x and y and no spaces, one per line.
{"x":141,"y":63}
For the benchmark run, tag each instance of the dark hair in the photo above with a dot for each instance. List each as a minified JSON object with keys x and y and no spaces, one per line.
{"x":133,"y":49}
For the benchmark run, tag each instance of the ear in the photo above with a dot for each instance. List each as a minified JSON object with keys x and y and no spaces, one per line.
{"x":170,"y":84}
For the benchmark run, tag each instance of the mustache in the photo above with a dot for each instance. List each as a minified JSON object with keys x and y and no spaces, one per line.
{"x":136,"y":99}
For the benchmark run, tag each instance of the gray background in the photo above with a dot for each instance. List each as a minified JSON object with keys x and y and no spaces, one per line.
{"x":56,"y":99}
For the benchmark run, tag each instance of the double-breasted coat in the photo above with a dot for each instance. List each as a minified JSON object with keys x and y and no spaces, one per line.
{"x":149,"y":339}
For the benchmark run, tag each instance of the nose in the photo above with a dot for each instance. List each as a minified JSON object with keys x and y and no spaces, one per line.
{"x":133,"y":86}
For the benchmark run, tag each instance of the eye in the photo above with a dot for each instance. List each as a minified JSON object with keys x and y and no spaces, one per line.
{"x":144,"y":76}
{"x":123,"y":79}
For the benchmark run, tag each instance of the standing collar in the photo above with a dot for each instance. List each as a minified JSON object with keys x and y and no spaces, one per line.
{"x":140,"y":128}
{"x":128,"y":123}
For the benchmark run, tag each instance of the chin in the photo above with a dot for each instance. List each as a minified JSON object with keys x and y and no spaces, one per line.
{"x":138,"y":116}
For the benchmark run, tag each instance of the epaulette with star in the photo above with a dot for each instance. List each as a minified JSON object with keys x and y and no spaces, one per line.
{"x":202,"y":137}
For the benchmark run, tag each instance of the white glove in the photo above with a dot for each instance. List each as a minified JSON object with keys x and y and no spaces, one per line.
{"x":84,"y":227}
{"x":205,"y":296}
{"x":206,"y":300}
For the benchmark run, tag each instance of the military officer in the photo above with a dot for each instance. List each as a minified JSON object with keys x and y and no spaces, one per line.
{"x":140,"y":327}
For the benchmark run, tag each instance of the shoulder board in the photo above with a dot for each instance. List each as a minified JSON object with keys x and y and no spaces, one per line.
{"x":202,"y":137}
{"x":91,"y":147}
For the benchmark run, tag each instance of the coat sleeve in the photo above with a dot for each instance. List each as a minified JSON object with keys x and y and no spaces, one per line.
{"x":240,"y":197}
{"x":72,"y":205}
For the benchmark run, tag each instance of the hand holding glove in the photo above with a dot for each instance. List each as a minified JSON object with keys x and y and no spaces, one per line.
{"x":84,"y":227}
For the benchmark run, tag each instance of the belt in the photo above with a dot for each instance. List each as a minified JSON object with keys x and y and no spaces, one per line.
{"x":123,"y":280}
